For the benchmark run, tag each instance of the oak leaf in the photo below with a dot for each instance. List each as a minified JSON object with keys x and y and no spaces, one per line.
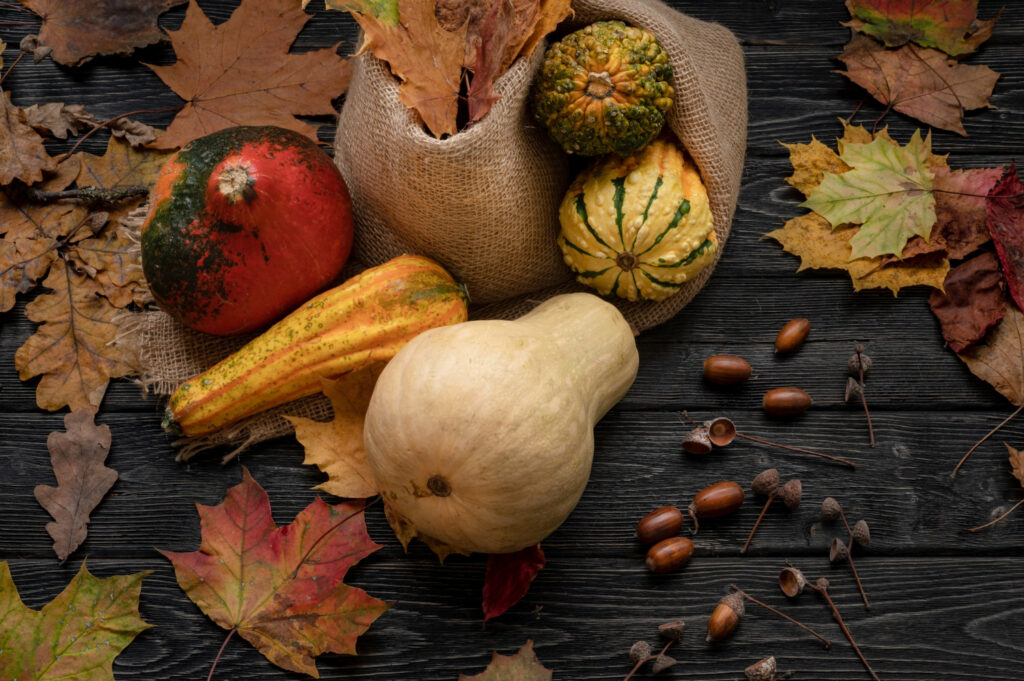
{"x":888,"y":191}
{"x":1006,"y":225}
{"x":77,"y":635}
{"x":508,"y":578}
{"x":121,"y":165}
{"x":949,"y":25}
{"x":336,"y":447}
{"x":22,"y":155}
{"x":240,"y":72}
{"x":1016,"y":463}
{"x":77,"y":456}
{"x":922,"y":83}
{"x":523,"y":666}
{"x":970,"y":302}
{"x":999,"y":360}
{"x":292,"y":604}
{"x":79,"y":30}
{"x":61,"y":120}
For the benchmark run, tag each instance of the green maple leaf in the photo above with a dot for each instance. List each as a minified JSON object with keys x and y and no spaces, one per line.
{"x":77,"y":635}
{"x":888,"y":192}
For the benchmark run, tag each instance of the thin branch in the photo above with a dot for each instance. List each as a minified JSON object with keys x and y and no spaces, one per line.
{"x":89,"y":194}
{"x":21,"y":55}
{"x":993,"y":522}
{"x":837,"y":459}
{"x":987,"y":436}
{"x":849,"y":559}
{"x":842,"y":625}
{"x":741,"y":592}
{"x":640,"y":662}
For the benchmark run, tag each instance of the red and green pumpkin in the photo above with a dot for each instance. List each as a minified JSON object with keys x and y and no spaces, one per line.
{"x":245,"y":225}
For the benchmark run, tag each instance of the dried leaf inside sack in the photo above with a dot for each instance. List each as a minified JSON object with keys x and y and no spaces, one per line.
{"x":508,"y":578}
{"x":999,"y":360}
{"x":22,"y":155}
{"x":336,"y":447}
{"x":971,"y":302}
{"x":75,"y":636}
{"x":523,"y":666}
{"x":80,"y":29}
{"x":281,"y":588}
{"x":949,"y":25}
{"x":920,"y":82}
{"x":241,"y":73}
{"x":78,"y":457}
{"x":1006,"y":225}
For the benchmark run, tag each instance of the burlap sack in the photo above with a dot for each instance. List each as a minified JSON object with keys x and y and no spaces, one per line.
{"x":484,"y":202}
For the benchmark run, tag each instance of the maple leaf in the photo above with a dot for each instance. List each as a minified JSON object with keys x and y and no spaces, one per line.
{"x":888,"y":192}
{"x":508,"y":578}
{"x":950,"y":25}
{"x":999,"y":361}
{"x":77,"y":457}
{"x":240,"y":72}
{"x":22,"y":155}
{"x":336,"y":447}
{"x":523,"y":666}
{"x":1006,"y":224}
{"x":77,"y":635}
{"x":920,"y":82}
{"x":812,"y":239}
{"x":78,"y":30}
{"x":970,"y":302}
{"x":292,"y":604}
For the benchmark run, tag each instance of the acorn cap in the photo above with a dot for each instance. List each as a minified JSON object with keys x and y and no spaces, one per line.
{"x":837,"y":551}
{"x":672,"y":630}
{"x":766,"y":482}
{"x":640,"y":650}
{"x":853,"y":389}
{"x":823,"y":583}
{"x":792,"y":581}
{"x":861,"y":533}
{"x":735,"y":601}
{"x":722,"y":431}
{"x":661,"y":663}
{"x":830,"y":509}
{"x":697,"y":441}
{"x":856,"y":361}
{"x":791,"y":493}
{"x":762,"y":670}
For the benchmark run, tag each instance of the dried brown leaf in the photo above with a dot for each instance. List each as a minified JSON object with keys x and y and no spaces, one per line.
{"x":971,"y":302}
{"x":80,"y":29}
{"x":1016,"y":463}
{"x":121,"y":166}
{"x":240,"y":72}
{"x":920,"y":82}
{"x":336,"y":447}
{"x":523,"y":666}
{"x":999,"y":361}
{"x":22,"y":155}
{"x":57,"y":119}
{"x":950,"y":25}
{"x":77,"y":457}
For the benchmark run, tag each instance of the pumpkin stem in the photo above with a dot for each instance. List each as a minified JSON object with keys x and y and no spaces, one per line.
{"x":599,"y":85}
{"x":438,"y":486}
{"x":237,"y":182}
{"x":626,"y":261}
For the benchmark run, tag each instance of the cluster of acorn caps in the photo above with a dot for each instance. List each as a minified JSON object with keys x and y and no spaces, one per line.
{"x":733,"y":369}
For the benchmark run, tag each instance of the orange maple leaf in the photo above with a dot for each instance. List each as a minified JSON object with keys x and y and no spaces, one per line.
{"x":292,"y":604}
{"x":240,"y":72}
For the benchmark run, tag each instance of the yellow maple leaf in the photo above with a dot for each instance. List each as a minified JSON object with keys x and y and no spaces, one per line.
{"x":336,"y":446}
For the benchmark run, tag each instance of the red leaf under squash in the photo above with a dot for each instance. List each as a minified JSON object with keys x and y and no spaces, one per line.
{"x":1006,"y":224}
{"x":973,"y":301}
{"x":508,"y":578}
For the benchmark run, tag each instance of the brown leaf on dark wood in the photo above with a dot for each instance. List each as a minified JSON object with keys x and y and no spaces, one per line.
{"x":972,"y":302}
{"x":950,"y":25}
{"x":1016,"y":463}
{"x":80,"y":29}
{"x":75,"y":350}
{"x":22,"y":155}
{"x":240,"y":72}
{"x":921,"y":82}
{"x":523,"y":666}
{"x":61,"y":120}
{"x":1006,"y":224}
{"x":121,"y":166}
{"x":77,"y":457}
{"x":999,"y":360}
{"x":113,"y":261}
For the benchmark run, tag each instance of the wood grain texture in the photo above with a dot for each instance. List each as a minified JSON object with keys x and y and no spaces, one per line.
{"x":947,"y":605}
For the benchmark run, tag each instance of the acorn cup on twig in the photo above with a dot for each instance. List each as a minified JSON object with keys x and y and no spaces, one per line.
{"x":766,"y":484}
{"x":839,"y":551}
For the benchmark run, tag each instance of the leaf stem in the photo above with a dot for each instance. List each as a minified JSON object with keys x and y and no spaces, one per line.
{"x":771,"y":498}
{"x":220,"y":652}
{"x":993,"y":522}
{"x":823,"y":590}
{"x":103,"y":124}
{"x":741,"y":592}
{"x":14,"y":63}
{"x":329,"y":530}
{"x":837,"y":459}
{"x":849,"y":558}
{"x":640,"y":663}
{"x":987,"y":436}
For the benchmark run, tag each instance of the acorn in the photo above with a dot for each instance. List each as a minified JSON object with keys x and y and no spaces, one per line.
{"x":719,"y":499}
{"x":724,"y":618}
{"x":669,"y":554}
{"x":673,"y":630}
{"x":697,"y":441}
{"x":830,"y":509}
{"x":792,"y":581}
{"x":659,"y":524}
{"x":640,"y":650}
{"x":661,"y":663}
{"x":726,"y":369}
{"x":766,"y":482}
{"x":838,"y":551}
{"x":787,"y":401}
{"x":792,"y":335}
{"x":791,"y":493}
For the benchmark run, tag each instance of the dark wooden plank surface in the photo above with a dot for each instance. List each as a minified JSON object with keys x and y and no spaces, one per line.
{"x":946,"y":605}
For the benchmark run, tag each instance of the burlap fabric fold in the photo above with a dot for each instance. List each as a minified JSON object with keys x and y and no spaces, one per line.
{"x":484,"y":202}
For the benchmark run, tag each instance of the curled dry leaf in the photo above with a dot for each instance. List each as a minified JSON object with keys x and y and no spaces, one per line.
{"x":77,"y":457}
{"x":523,"y":666}
{"x":22,"y":155}
{"x":336,"y":447}
{"x":240,"y":72}
{"x":292,"y":604}
{"x":77,"y":635}
{"x":920,"y":82}
{"x":61,"y":120}
{"x":1006,"y":224}
{"x":949,"y":25}
{"x":970,"y":302}
{"x":80,"y":29}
